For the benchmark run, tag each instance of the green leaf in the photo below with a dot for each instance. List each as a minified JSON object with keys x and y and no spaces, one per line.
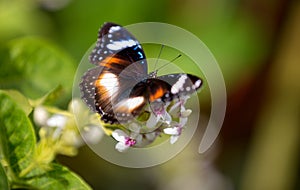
{"x":48,"y":98}
{"x":35,"y":66}
{"x":21,"y":100}
{"x":59,"y":177}
{"x":19,"y":18}
{"x":3,"y":179}
{"x":18,"y":146}
{"x":17,"y":137}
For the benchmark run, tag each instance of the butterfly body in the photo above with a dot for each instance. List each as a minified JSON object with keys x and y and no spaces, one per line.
{"x":119,"y":87}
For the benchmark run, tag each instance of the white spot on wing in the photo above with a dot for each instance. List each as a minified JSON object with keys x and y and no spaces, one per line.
{"x":114,"y":28}
{"x":198,"y":83}
{"x":128,"y":105}
{"x":118,"y":45}
{"x":179,"y":84}
{"x":110,"y":82}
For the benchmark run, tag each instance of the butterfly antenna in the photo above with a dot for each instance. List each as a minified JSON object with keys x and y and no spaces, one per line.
{"x":169,"y":62}
{"x":161,"y":48}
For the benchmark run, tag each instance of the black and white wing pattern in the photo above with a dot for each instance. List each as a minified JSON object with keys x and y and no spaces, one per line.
{"x":121,"y":63}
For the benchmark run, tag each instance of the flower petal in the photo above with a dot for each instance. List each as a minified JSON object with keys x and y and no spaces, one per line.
{"x":167,"y":118}
{"x":186,"y":113}
{"x":70,"y":138}
{"x":171,"y":131}
{"x":174,"y":108}
{"x":182,"y":121}
{"x":57,"y":120}
{"x":119,"y":135}
{"x":40,"y":115}
{"x":121,"y":147}
{"x":174,"y":138}
{"x":92,"y":134}
{"x":57,"y":132}
{"x":152,"y":121}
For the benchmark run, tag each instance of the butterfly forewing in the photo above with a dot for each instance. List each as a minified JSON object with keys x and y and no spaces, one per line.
{"x":88,"y":88}
{"x":121,"y":64}
{"x":112,"y":41}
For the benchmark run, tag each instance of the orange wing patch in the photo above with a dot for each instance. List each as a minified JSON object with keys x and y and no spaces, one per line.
{"x":110,"y":62}
{"x":158,"y":94}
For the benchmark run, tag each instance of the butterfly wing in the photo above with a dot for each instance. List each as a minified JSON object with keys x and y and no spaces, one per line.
{"x":114,"y":41}
{"x":121,"y":64}
{"x":162,"y":89}
{"x":143,"y":92}
{"x":180,"y":84}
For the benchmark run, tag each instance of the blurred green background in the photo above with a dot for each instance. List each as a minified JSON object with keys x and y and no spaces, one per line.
{"x":256,"y":44}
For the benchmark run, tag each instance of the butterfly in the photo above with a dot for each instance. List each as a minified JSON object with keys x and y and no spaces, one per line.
{"x":119,"y":87}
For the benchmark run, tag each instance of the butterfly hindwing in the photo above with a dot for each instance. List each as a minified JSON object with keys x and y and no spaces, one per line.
{"x":163,"y":89}
{"x":181,"y":84}
{"x":143,"y":92}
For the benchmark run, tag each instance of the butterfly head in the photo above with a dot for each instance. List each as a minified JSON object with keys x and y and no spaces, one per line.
{"x":153,"y":74}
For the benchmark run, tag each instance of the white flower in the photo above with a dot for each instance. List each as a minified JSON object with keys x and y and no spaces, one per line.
{"x":158,"y":114}
{"x":147,"y":139}
{"x":40,"y":115}
{"x":185,"y":113}
{"x":58,"y":122}
{"x":71,"y":138}
{"x":175,"y":130}
{"x":125,"y":141}
{"x":92,"y":134}
{"x":163,"y":118}
{"x":88,"y":124}
{"x":178,"y":108}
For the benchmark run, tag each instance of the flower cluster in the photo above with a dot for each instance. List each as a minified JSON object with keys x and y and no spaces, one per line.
{"x":64,"y":131}
{"x":165,"y":119}
{"x":60,"y":130}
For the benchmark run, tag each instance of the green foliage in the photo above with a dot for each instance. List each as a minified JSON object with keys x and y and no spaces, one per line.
{"x":21,"y":100}
{"x":35,"y":66}
{"x":26,"y":169}
{"x":22,"y":18}
{"x":3,"y":179}
{"x":49,"y":98}
{"x":17,"y":135}
{"x":58,"y":177}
